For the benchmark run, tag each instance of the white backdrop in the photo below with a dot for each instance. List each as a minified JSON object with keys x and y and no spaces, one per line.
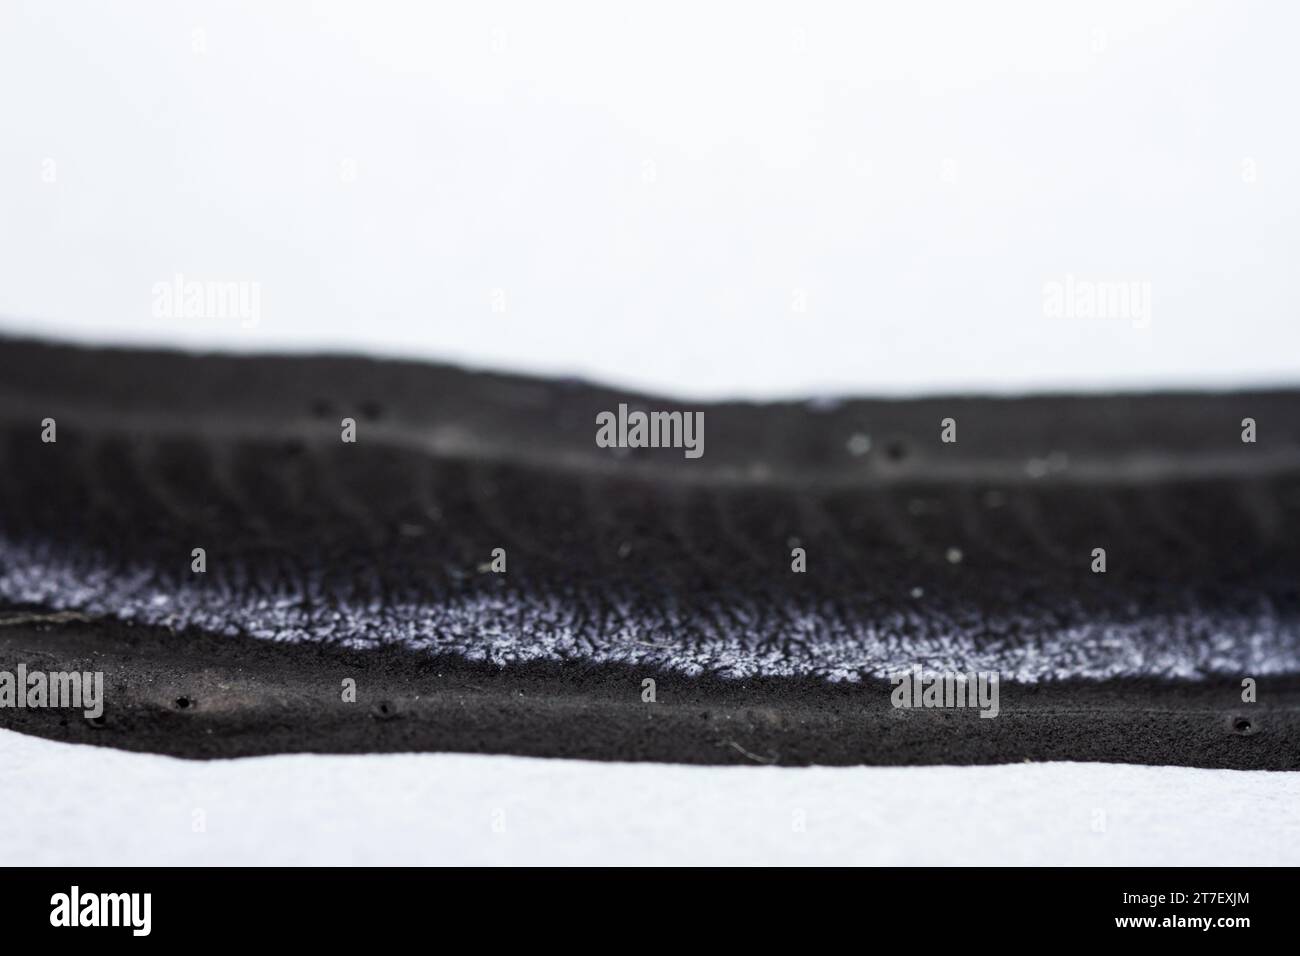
{"x":703,"y":198}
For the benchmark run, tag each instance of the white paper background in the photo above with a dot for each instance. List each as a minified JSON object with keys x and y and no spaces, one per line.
{"x":79,"y":805}
{"x":796,"y":149}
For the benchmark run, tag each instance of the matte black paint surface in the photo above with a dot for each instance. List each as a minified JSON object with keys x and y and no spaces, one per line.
{"x":197,"y":695}
{"x":626,"y":565}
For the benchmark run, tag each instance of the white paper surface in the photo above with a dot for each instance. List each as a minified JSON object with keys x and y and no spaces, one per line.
{"x":79,"y":805}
